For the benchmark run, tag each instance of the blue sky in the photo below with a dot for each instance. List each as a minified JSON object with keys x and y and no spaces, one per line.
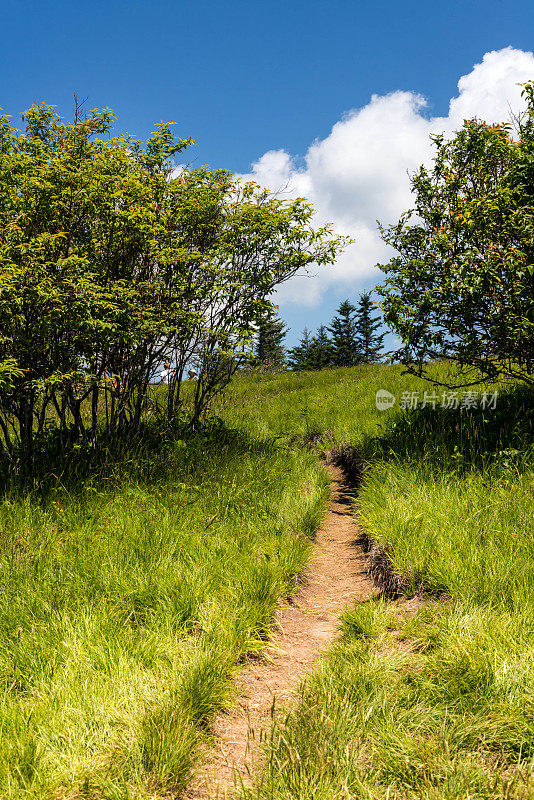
{"x":246,"y":79}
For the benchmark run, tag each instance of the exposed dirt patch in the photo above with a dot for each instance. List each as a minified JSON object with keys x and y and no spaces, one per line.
{"x":305,"y":627}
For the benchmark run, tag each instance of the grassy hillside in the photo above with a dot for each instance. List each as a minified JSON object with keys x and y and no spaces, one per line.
{"x":126,"y":601}
{"x":449,"y":493}
{"x":128,"y":597}
{"x":439,"y":704}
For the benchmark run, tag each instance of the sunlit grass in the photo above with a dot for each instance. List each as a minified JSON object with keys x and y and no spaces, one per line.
{"x":126,"y":603}
{"x":131,"y":588}
{"x":440,"y":704}
{"x":433,"y":706}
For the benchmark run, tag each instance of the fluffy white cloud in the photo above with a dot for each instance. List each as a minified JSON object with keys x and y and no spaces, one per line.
{"x":359,"y":172}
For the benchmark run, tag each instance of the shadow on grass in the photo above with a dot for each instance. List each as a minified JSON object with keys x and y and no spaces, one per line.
{"x":461,"y":439}
{"x":150,"y":456}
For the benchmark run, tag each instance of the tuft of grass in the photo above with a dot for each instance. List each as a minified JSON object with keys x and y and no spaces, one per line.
{"x":164,"y":754}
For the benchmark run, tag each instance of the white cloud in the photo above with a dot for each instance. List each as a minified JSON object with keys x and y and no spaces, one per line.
{"x":359,"y":172}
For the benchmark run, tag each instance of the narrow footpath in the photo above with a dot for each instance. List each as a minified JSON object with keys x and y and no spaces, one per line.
{"x":305,"y":627}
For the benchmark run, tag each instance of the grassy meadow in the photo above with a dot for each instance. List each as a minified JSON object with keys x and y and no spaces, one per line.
{"x":127,"y":600}
{"x":440,"y":703}
{"x":130,"y":594}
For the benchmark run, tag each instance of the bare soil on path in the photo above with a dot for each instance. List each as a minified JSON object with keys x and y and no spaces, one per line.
{"x":305,"y":627}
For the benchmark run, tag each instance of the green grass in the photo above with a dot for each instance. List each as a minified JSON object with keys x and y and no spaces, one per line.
{"x":336,"y":405}
{"x":440,"y":704}
{"x":128,"y":596}
{"x":126,"y":602}
{"x":470,"y":535}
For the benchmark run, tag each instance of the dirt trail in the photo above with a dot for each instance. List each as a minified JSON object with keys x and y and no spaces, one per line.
{"x":305,"y":626}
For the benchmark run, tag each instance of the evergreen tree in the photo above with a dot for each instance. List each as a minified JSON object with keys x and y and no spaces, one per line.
{"x":269,"y":344}
{"x":320,"y":350}
{"x":345,"y":345}
{"x":298,"y":356}
{"x":370,"y":342}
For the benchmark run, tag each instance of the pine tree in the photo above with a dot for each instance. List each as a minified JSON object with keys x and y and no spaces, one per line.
{"x":269,"y":344}
{"x":298,"y":356}
{"x":320,"y":351}
{"x":345,"y":346}
{"x":370,"y":342}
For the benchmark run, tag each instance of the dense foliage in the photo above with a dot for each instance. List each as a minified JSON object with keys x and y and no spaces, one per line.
{"x":270,"y":351}
{"x":462,"y":286}
{"x":111,"y":262}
